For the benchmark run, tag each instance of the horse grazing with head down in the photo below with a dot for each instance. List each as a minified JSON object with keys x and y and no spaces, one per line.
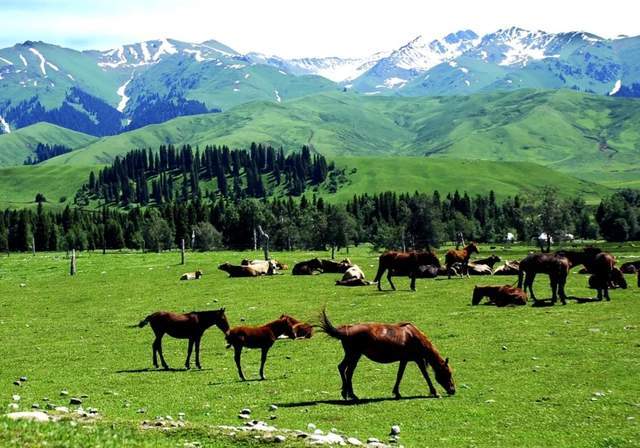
{"x":616,"y":280}
{"x":460,"y":256}
{"x":387,"y":343}
{"x":555,"y":266}
{"x":603,"y":271}
{"x":404,"y":264}
{"x":499,"y":295}
{"x":183,"y":326}
{"x":261,"y":337}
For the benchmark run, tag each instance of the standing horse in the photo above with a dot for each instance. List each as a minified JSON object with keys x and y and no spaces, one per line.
{"x":403,"y":263}
{"x":556,"y":267}
{"x":584,"y":257}
{"x":261,"y":337}
{"x":460,"y":256}
{"x":387,"y":343}
{"x":603,"y":268}
{"x":183,"y":326}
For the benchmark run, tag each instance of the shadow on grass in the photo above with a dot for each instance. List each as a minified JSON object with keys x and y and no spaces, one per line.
{"x":541,"y":303}
{"x":250,"y":380}
{"x":160,"y":370}
{"x":299,"y":404}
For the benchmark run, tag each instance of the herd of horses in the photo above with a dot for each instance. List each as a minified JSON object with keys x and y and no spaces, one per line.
{"x":381,"y":342}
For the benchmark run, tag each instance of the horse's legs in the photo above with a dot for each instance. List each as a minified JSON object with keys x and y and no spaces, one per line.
{"x":263,"y":359}
{"x":154,"y":347}
{"x":188,"y":361}
{"x":164,"y":363}
{"x":528,"y":283}
{"x":449,"y":271}
{"x":413,"y":281}
{"x":379,"y":275}
{"x":390,"y":282}
{"x":351,"y":368}
{"x":342,"y":368}
{"x":236,"y":356}
{"x":606,"y":291}
{"x":198,"y":352}
{"x":422,"y":365}
{"x":396,"y":387}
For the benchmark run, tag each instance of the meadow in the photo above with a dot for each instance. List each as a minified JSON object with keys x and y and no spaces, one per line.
{"x":556,"y":376}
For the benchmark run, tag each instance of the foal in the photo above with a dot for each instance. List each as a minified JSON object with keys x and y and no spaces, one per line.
{"x":460,"y":256}
{"x":261,"y":337}
{"x":387,"y":343}
{"x":183,"y":326}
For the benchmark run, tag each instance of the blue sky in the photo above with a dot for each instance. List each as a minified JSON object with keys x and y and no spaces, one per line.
{"x":294,"y":28}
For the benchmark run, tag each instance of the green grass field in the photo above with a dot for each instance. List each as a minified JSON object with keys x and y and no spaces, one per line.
{"x":561,"y":376}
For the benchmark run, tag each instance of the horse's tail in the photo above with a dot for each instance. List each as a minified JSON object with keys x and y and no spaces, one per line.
{"x":142,"y":323}
{"x":327,"y":327}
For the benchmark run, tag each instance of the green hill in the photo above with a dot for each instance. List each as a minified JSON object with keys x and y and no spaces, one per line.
{"x":17,"y":146}
{"x":587,"y":136}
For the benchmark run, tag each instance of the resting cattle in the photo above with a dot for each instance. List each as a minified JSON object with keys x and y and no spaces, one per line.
{"x":310,"y":267}
{"x":239,"y":271}
{"x":508,"y":268}
{"x":191,"y":275}
{"x":334,"y":267}
{"x":403,"y":263}
{"x":263,"y":267}
{"x":499,"y":295}
{"x":478,"y":269}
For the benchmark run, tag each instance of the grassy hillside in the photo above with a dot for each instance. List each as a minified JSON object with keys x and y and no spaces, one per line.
{"x":408,"y":174}
{"x":17,"y":146}
{"x":19,"y":185}
{"x":584,"y":135}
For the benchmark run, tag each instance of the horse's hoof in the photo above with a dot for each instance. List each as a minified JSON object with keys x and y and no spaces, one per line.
{"x":187,"y":367}
{"x":397,"y":396}
{"x":165,"y":367}
{"x":435,"y":395}
{"x":199,"y":367}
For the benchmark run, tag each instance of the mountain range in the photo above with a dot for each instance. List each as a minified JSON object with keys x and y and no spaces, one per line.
{"x":104,"y":93}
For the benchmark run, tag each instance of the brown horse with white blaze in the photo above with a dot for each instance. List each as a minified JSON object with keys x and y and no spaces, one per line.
{"x":387,"y":343}
{"x":262,"y":337}
{"x":183,"y":326}
{"x":404,"y":264}
{"x":460,"y":256}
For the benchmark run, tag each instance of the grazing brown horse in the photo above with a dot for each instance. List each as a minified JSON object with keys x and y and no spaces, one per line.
{"x":239,"y":271}
{"x":261,"y":337}
{"x":403,"y":264}
{"x":300,"y":329}
{"x":183,"y":326}
{"x":460,"y":256}
{"x":556,"y":267}
{"x":616,"y":280}
{"x":602,"y":268}
{"x":499,"y":295}
{"x":308,"y":267}
{"x":334,"y":267}
{"x":387,"y":343}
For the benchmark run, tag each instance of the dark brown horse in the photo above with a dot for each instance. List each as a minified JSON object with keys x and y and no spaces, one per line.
{"x":239,"y":271}
{"x":489,"y":261}
{"x":584,"y":257}
{"x":499,"y":295}
{"x":308,"y":267}
{"x":387,"y":343}
{"x":183,"y":326}
{"x":460,"y":256}
{"x":261,"y":337}
{"x":602,"y":269}
{"x":556,"y":267}
{"x":616,"y":280}
{"x":335,"y":267}
{"x":403,"y":264}
{"x":630,"y":267}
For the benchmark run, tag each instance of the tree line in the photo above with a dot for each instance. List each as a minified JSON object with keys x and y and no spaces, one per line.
{"x":45,"y":151}
{"x":387,"y":220}
{"x":170,"y":174}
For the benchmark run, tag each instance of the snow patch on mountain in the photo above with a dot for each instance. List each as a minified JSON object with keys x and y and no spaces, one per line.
{"x":616,"y":87}
{"x":334,"y":68}
{"x":197,"y":54}
{"x":43,"y":61}
{"x":6,"y":61}
{"x":421,"y":55}
{"x":24,"y":61}
{"x":165,"y":48}
{"x":53,"y":66}
{"x":278,"y":99}
{"x":70,"y":76}
{"x":394,"y":82}
{"x":124,"y":99}
{"x":146,"y":56}
{"x":6,"y":129}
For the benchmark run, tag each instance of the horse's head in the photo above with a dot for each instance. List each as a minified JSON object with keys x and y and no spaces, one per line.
{"x":444,"y":377}
{"x":477,"y":295}
{"x":198,"y":273}
{"x":224,"y":267}
{"x":245,"y":262}
{"x":215,"y":317}
{"x":286,"y":324}
{"x":617,"y":277}
{"x":494,"y":258}
{"x":347,"y":262}
{"x":472,"y":248}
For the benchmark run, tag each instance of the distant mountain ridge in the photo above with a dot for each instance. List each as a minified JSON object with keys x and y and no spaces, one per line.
{"x":108,"y":92}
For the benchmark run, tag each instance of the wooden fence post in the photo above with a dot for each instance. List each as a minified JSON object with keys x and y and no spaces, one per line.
{"x":73,"y":267}
{"x":182,"y":251}
{"x":33,"y":245}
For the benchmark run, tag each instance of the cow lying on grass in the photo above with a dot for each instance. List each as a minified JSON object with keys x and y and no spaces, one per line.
{"x":191,"y":275}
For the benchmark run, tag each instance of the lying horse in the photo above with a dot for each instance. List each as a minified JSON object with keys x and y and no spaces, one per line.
{"x":183,"y":326}
{"x":499,"y":295}
{"x":556,"y":267}
{"x":387,"y":343}
{"x":239,"y":271}
{"x":489,"y":261}
{"x":261,"y":337}
{"x":334,"y":267}
{"x":460,"y":256}
{"x":191,"y":275}
{"x":616,"y":280}
{"x":353,"y":277}
{"x":508,"y":268}
{"x":308,"y":267}
{"x":300,"y":329}
{"x":404,"y":264}
{"x":630,"y":267}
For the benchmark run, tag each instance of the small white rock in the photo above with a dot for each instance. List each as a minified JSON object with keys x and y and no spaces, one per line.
{"x":311,"y":426}
{"x":16,"y":397}
{"x":279,"y":438}
{"x":34,"y":416}
{"x":353,"y":441}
